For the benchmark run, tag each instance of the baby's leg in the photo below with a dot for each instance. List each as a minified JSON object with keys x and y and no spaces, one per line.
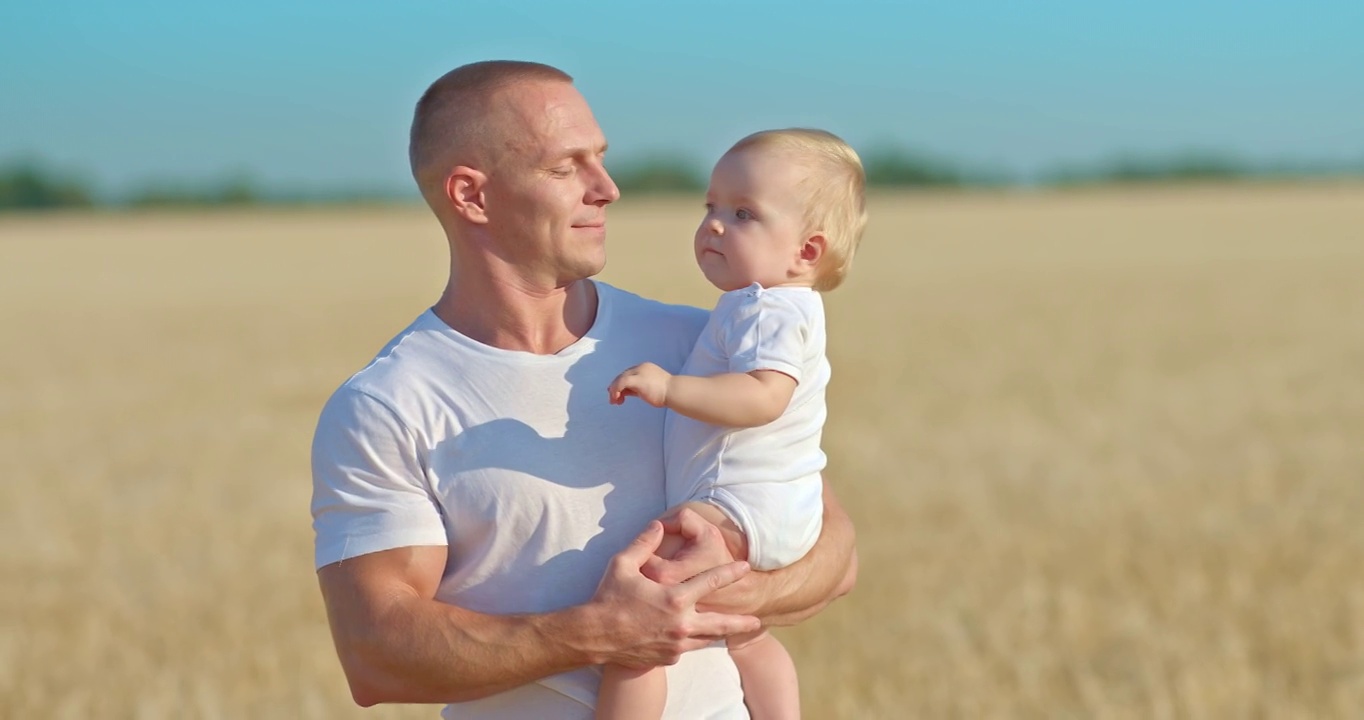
{"x":629,"y":694}
{"x":768,"y":674}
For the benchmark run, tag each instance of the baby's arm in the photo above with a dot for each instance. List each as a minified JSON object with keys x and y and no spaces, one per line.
{"x":740,"y":400}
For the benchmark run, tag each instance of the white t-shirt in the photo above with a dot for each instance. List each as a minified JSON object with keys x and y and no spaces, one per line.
{"x":767,"y":478}
{"x":518,"y":463}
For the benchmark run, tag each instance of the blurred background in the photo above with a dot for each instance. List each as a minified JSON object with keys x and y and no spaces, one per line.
{"x":148,"y":103}
{"x":1099,"y":371}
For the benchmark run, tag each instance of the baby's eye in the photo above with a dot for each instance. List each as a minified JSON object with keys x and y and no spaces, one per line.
{"x":743,"y":214}
{"x":710,"y":207}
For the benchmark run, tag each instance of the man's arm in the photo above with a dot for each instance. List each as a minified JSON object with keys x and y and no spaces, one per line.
{"x":737,"y":400}
{"x":398,"y":644}
{"x":785,"y":596}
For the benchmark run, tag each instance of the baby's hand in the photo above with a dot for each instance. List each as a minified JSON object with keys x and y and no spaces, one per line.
{"x":648,"y":382}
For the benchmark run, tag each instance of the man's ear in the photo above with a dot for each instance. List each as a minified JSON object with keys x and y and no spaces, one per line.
{"x":464,"y":189}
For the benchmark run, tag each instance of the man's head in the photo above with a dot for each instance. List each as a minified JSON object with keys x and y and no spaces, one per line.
{"x":784,"y":206}
{"x":509,"y":157}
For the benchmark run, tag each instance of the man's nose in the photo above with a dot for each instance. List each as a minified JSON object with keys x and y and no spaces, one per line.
{"x":603,"y":190}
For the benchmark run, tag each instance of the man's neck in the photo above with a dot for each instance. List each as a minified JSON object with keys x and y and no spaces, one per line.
{"x":515,"y":315}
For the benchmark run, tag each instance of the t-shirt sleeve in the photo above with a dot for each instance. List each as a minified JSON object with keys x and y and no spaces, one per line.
{"x":369,"y":488}
{"x":763,"y":332}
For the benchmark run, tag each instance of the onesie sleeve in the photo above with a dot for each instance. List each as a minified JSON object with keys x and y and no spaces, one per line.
{"x":762,"y":331}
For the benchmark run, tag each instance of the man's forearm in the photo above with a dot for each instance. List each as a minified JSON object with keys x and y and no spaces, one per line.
{"x":799,"y":615}
{"x":417,"y":650}
{"x":398,"y":644}
{"x":798,"y":591}
{"x":801,"y":589}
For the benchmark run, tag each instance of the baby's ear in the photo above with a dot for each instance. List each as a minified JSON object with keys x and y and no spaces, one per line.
{"x":812,"y":250}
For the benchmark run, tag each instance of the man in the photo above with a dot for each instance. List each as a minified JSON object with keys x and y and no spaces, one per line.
{"x":477,"y":501}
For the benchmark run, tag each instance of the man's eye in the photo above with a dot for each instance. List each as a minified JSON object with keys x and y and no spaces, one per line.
{"x":743,"y":214}
{"x":561,"y":171}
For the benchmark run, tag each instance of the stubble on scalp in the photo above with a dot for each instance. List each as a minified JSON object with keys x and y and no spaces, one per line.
{"x":468,"y":117}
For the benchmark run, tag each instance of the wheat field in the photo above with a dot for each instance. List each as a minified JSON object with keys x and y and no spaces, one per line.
{"x":1104,"y":450}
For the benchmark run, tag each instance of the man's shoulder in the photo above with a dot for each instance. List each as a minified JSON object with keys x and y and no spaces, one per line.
{"x":403,"y":362}
{"x":635,"y":311}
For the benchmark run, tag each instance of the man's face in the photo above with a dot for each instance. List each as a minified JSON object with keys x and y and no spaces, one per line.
{"x":753,"y":228}
{"x":547,"y":191}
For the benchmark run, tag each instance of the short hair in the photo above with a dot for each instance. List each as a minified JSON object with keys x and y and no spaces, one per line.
{"x":455,"y":106}
{"x":834,"y":193}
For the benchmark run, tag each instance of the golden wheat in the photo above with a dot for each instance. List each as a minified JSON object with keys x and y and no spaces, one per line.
{"x":1105,"y":452}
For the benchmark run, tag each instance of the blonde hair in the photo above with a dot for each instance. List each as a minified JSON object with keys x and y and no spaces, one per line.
{"x":835,"y":193}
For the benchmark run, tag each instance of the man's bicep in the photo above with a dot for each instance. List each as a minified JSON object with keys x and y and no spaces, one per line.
{"x":369,"y":487}
{"x":360,"y":585}
{"x":366,"y":599}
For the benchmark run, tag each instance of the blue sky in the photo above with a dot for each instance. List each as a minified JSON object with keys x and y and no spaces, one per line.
{"x":318,"y":95}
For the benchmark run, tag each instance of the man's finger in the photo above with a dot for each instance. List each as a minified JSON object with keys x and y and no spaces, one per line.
{"x":654,"y":568}
{"x":643,"y":546}
{"x":666,"y":572}
{"x":709,"y":581}
{"x":711,"y":625}
{"x":688,"y":523}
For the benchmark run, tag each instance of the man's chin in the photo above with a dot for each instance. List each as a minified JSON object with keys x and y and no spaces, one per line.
{"x":597,"y":263}
{"x":584,"y":271}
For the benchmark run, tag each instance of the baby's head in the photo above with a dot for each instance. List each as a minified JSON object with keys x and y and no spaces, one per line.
{"x":784,"y":207}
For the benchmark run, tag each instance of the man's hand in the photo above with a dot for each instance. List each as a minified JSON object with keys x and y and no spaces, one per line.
{"x":648,"y":382}
{"x":398,"y":644}
{"x":646,"y":623}
{"x":699,"y":546}
{"x":797,"y":592}
{"x":691,"y":545}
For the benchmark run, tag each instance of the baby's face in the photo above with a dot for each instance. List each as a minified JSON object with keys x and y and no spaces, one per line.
{"x":754,"y":225}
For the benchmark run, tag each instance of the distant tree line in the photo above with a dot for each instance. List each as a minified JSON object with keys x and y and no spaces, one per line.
{"x":29,"y":185}
{"x":899,"y":168}
{"x":1192,"y":167}
{"x":232,"y":191}
{"x":26,"y":186}
{"x":659,"y":174}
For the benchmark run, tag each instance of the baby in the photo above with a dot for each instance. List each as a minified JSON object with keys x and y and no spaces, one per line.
{"x":784,"y":214}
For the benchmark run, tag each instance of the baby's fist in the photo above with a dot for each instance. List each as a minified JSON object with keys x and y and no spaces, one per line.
{"x":648,"y":382}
